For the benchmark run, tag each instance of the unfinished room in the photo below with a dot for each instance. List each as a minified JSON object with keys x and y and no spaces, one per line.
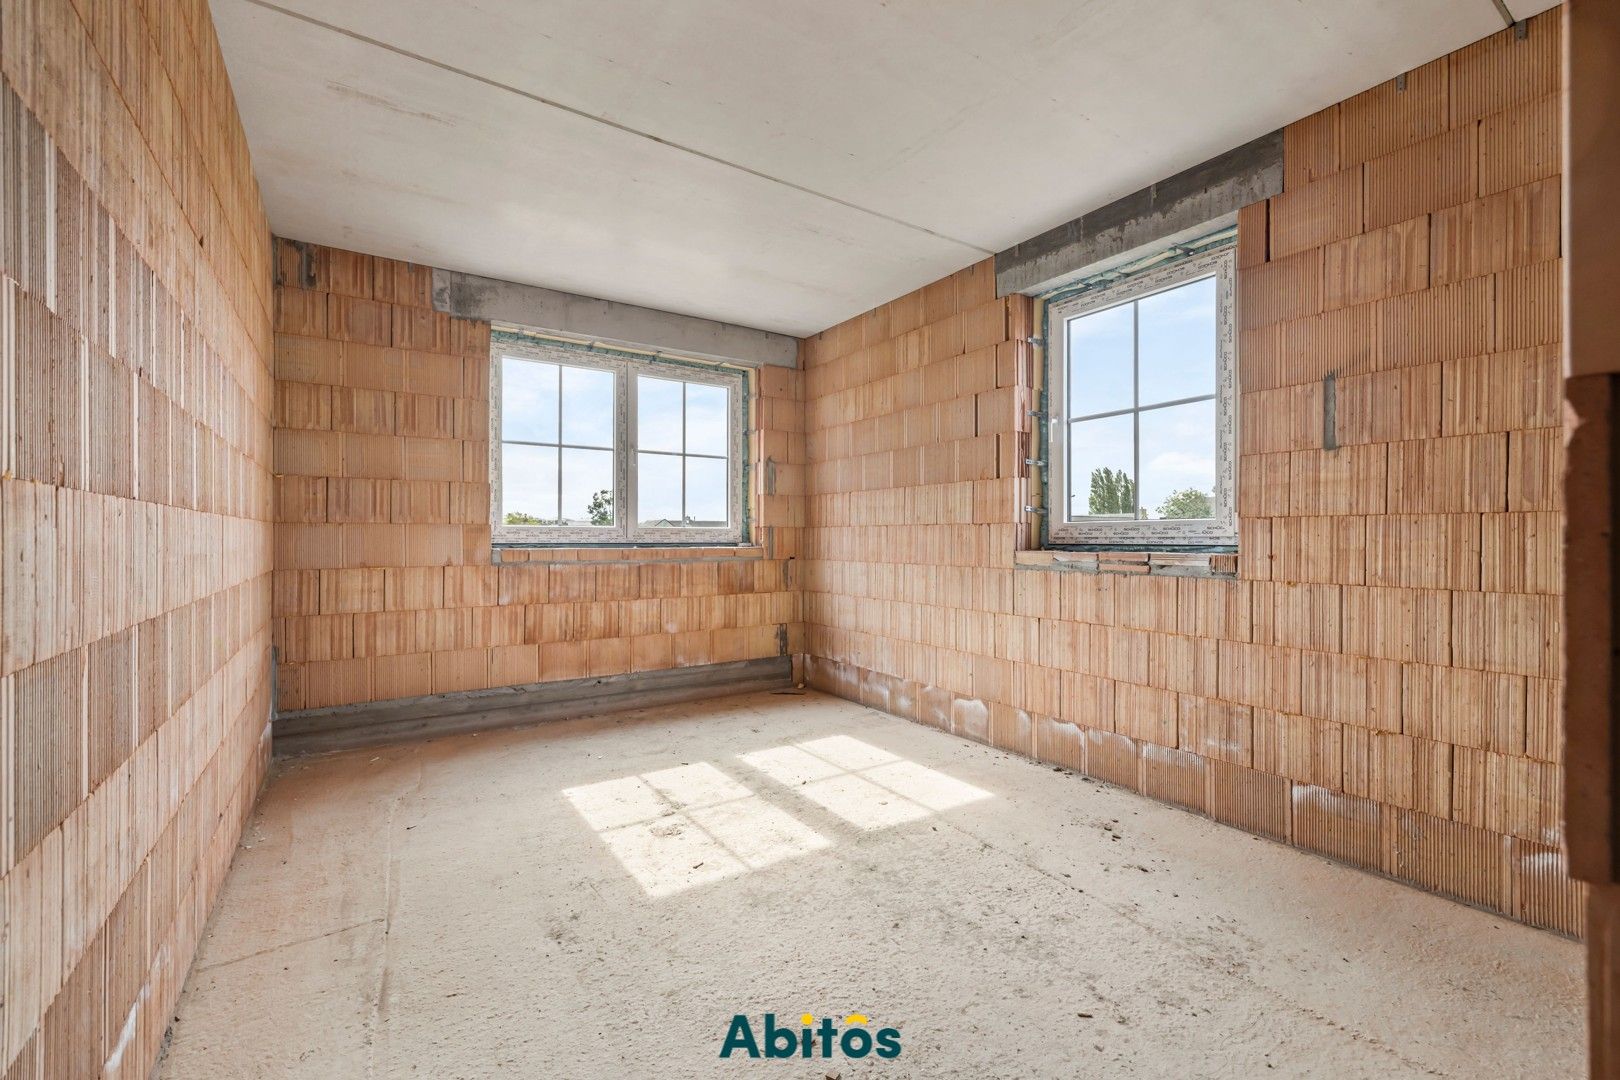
{"x":619,"y":539}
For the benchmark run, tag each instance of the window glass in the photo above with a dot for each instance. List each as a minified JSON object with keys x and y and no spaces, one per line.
{"x":587,"y":486}
{"x":676,"y":421}
{"x":658,"y":487}
{"x":528,"y":400}
{"x":706,"y":491}
{"x":548,"y":412}
{"x":706,"y":419}
{"x":658,"y":414}
{"x":1100,"y":361}
{"x":587,"y":412}
{"x":596,"y":447}
{"x":1102,"y":462}
{"x":1178,"y":461}
{"x":1177,"y":343}
{"x":1145,"y":402}
{"x":529,"y":484}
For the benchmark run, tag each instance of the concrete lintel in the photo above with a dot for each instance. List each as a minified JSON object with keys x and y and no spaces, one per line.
{"x":469,"y":296}
{"x":1170,"y":211}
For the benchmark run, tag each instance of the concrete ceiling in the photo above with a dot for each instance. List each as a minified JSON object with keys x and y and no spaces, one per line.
{"x":778,"y":165}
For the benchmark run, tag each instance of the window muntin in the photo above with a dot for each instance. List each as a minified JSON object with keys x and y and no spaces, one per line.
{"x":594,"y":448}
{"x":1142,"y":409}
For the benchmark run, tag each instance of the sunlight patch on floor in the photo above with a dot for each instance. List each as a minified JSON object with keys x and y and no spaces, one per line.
{"x":865,"y":785}
{"x":677,"y":828}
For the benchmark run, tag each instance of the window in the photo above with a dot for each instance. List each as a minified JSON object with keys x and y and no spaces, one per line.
{"x":594,"y":447}
{"x":1141,"y":401}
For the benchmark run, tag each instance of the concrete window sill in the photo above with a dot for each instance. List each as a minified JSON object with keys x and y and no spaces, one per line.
{"x":1214,"y":564}
{"x":624,"y":554}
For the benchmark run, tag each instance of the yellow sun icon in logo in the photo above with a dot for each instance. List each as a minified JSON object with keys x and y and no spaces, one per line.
{"x":852,"y":1018}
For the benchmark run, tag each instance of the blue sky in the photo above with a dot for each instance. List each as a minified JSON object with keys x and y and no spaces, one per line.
{"x":1176,"y":358}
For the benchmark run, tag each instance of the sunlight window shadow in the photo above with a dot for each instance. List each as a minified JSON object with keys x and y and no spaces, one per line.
{"x":867,"y":786}
{"x":678,"y":828}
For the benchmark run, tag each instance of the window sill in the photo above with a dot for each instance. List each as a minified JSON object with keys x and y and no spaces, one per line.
{"x":1204,"y":564}
{"x":623,"y":553}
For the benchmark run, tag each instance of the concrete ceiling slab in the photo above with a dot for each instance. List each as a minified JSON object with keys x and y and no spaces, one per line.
{"x":782,"y":166}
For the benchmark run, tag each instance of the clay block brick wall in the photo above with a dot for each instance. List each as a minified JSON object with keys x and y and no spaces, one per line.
{"x":135,"y":505}
{"x":386,"y":584}
{"x":1381,"y":681}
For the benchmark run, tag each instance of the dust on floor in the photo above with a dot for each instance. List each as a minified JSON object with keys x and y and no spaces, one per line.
{"x":599,"y":898}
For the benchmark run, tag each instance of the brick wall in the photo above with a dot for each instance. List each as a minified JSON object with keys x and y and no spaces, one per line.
{"x":386,"y":584}
{"x":134,"y":519}
{"x":1381,"y":683}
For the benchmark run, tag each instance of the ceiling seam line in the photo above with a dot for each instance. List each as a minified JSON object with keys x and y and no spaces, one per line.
{"x":1502,"y":10}
{"x":582,"y":114}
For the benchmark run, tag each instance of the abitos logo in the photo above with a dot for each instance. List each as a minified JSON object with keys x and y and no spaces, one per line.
{"x":810,"y":1039}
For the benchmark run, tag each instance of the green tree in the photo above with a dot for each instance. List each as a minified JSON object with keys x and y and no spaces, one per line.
{"x":518,"y":517}
{"x":1187,"y":503}
{"x":1112,"y":492}
{"x":600,"y":509}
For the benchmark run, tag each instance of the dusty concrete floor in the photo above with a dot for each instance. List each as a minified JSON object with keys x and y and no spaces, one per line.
{"x":598,"y":898}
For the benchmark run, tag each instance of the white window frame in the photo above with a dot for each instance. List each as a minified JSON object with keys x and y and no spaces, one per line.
{"x":1221,"y":529}
{"x":625,"y":368}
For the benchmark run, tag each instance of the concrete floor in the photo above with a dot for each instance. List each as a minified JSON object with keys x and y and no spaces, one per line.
{"x":597,"y":898}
